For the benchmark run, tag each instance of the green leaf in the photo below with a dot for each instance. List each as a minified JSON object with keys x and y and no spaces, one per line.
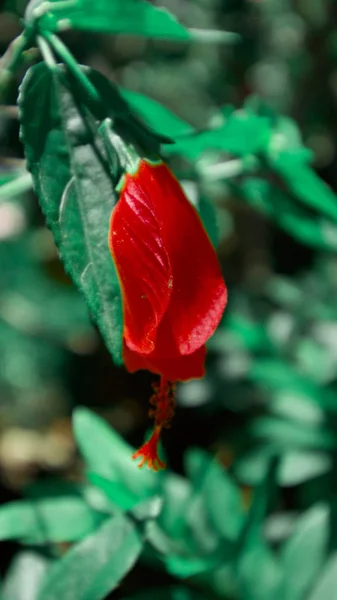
{"x":59,"y":519}
{"x":222,"y":498}
{"x":132,"y":17}
{"x":106,"y":454}
{"x":327,"y":583}
{"x":14,"y":184}
{"x":192,"y":565}
{"x":172,"y":518}
{"x":242,"y":133}
{"x":95,"y":566}
{"x":295,"y":467}
{"x":287,"y":434}
{"x":59,"y":136}
{"x":304,"y":553}
{"x":157,"y":116}
{"x":24,"y":577}
{"x":258,"y":571}
{"x":306,"y":226}
{"x":305,"y":184}
{"x":259,"y":574}
{"x":278,"y":375}
{"x":116,"y":492}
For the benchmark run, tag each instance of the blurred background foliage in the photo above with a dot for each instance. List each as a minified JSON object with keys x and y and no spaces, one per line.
{"x":254,"y":120}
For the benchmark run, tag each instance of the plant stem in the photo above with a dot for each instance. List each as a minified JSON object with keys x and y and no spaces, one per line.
{"x":11,"y":60}
{"x":214,"y":36}
{"x":228,"y":169}
{"x":46,"y":52}
{"x":62,"y":51}
{"x":16,"y":187}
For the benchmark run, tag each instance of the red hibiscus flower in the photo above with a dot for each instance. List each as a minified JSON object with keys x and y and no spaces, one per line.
{"x":173,"y":292}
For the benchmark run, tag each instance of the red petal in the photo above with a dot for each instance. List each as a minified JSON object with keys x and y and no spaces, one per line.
{"x":183,"y":368}
{"x":142,"y":263}
{"x":199,"y":293}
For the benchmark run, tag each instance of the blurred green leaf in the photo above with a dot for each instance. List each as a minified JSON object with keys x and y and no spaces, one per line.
{"x":222,"y":498}
{"x":304,"y":554}
{"x":177,"y":493}
{"x":14,"y":184}
{"x":295,"y":466}
{"x":208,"y":216}
{"x":241,"y":134}
{"x":78,"y":202}
{"x":327,"y":583}
{"x":190,"y":566}
{"x":287,"y":434}
{"x":106,"y":454}
{"x":308,"y":227}
{"x":25,"y":576}
{"x":305,"y":184}
{"x":59,"y":519}
{"x":96,"y":565}
{"x":116,"y":492}
{"x":259,"y":575}
{"x":132,"y":17}
{"x":156,"y":115}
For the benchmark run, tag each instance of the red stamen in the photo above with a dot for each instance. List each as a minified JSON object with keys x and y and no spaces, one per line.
{"x":163,"y":412}
{"x":149,"y":452}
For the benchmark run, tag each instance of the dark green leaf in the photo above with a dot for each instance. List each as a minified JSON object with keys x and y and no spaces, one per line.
{"x":207,"y":214}
{"x":59,"y":136}
{"x":173,"y":593}
{"x":95,"y":566}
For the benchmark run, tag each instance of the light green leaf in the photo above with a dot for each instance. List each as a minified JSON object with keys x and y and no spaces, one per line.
{"x":259,"y":574}
{"x":305,"y":552}
{"x":241,"y":134}
{"x":95,"y":566}
{"x":223,"y":502}
{"x":59,"y":136}
{"x":24,"y":577}
{"x":295,"y":466}
{"x":288,"y":434}
{"x":327,"y":583}
{"x":58,"y":519}
{"x":106,"y":454}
